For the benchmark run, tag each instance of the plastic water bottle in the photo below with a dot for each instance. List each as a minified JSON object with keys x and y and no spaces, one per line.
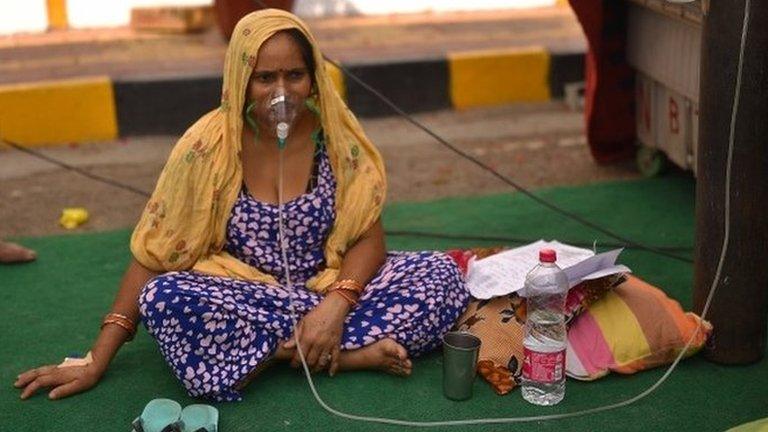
{"x":546,"y":287}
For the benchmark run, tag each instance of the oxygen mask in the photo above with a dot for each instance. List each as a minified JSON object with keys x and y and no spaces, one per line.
{"x":282,"y":109}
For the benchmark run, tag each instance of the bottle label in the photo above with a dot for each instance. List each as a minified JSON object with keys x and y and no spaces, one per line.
{"x":546,"y":367}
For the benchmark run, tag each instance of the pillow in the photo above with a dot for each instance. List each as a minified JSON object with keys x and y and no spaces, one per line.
{"x":633,"y":327}
{"x":499,"y":323}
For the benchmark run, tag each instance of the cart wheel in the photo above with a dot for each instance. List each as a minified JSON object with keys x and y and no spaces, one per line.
{"x":650,"y":161}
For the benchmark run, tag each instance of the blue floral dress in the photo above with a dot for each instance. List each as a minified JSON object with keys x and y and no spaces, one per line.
{"x":213,"y":331}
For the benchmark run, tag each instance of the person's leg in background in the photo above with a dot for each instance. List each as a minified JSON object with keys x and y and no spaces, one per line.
{"x":14,"y":253}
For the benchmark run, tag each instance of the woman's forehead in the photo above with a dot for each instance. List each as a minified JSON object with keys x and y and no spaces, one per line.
{"x":280,"y":51}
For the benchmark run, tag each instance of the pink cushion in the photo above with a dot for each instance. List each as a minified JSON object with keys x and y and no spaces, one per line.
{"x":633,"y":327}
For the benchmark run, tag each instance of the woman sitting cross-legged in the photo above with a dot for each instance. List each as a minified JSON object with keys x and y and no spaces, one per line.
{"x":208,"y":278}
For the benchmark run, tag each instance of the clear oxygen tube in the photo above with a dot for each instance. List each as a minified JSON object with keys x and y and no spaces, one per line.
{"x":282,"y":109}
{"x":537,"y":418}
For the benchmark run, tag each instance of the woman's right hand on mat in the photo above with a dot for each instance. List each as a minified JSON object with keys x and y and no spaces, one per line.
{"x":64,"y":381}
{"x":319,"y":334}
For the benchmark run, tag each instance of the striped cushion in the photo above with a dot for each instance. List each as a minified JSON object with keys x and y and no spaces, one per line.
{"x":634,"y":327}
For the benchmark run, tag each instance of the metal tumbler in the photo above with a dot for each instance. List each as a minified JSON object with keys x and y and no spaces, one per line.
{"x":460,"y":351}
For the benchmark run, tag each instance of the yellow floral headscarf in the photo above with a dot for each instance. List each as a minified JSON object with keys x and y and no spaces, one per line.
{"x":184,"y":223}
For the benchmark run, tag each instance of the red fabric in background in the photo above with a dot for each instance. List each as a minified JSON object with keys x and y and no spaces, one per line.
{"x":461,"y":257}
{"x":609,"y":93}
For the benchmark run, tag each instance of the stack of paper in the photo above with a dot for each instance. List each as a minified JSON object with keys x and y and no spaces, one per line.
{"x":505,"y":272}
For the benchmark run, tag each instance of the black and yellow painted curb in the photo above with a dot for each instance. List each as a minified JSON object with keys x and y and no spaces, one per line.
{"x":483,"y":78}
{"x":160,"y":106}
{"x":100,"y":109}
{"x":414,"y":86}
{"x":58,"y":112}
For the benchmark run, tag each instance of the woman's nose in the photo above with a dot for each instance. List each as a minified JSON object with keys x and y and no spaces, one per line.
{"x":279,"y":89}
{"x":281,"y":82}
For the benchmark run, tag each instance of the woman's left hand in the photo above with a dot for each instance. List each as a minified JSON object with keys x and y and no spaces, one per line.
{"x":319,"y":334}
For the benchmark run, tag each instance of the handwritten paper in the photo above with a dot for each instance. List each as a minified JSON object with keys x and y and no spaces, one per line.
{"x":505,"y":272}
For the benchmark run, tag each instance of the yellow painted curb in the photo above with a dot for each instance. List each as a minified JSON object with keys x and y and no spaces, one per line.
{"x":337,"y":76}
{"x":495,"y":77}
{"x":58,"y":112}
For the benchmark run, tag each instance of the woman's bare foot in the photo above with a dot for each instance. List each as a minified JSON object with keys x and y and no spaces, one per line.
{"x":385,"y":355}
{"x":13,"y":253}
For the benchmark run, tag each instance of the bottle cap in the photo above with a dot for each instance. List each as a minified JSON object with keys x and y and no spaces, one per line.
{"x":547,"y":255}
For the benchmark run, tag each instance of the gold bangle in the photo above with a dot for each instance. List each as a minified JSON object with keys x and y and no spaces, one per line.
{"x":120,"y":320}
{"x":116,"y":316}
{"x":121,"y":323}
{"x":126,"y":327}
{"x":348,"y":284}
{"x":120,"y":316}
{"x":348,"y":291}
{"x":352,"y":302}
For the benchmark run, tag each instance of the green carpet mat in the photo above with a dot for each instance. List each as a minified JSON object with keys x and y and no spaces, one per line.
{"x":53,"y":307}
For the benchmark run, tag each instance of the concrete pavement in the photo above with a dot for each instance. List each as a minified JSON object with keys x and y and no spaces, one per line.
{"x":159,"y":84}
{"x":537,"y":145}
